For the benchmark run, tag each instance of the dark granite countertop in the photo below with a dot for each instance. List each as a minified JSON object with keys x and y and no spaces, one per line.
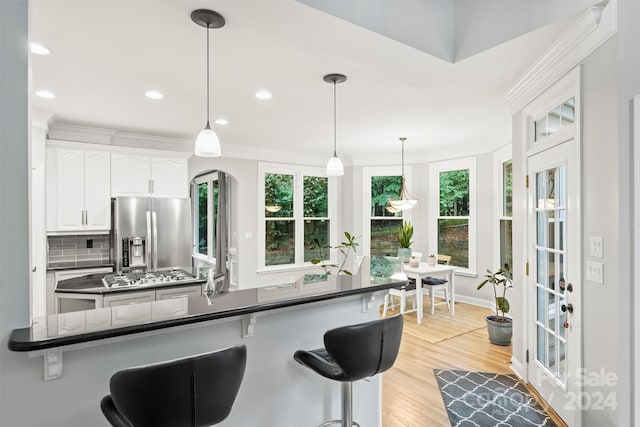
{"x":77,"y":265}
{"x":92,"y":284}
{"x":46,"y":333}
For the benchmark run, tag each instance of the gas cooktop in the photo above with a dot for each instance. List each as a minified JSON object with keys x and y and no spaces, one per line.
{"x":164,"y":277}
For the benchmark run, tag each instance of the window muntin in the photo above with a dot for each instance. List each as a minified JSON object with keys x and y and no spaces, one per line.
{"x":559,"y":117}
{"x":297,"y":208}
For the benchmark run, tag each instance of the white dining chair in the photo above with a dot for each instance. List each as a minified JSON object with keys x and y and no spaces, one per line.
{"x":430,"y":285}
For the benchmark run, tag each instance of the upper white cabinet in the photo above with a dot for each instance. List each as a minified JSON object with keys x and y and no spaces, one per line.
{"x":82,"y":199}
{"x":144,"y":175}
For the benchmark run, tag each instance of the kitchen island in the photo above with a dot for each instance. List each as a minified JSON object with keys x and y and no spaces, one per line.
{"x":273,"y":322}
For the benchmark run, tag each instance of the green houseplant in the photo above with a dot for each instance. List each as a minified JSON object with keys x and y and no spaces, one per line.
{"x":404,"y":238}
{"x":345,"y":248}
{"x":500,"y":327}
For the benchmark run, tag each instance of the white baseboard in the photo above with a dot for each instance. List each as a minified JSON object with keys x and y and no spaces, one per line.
{"x":517,"y":367}
{"x":476,"y":301}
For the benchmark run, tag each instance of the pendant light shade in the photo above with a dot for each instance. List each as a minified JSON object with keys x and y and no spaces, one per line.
{"x":334,"y":165}
{"x":207,"y":142}
{"x":406,"y":200}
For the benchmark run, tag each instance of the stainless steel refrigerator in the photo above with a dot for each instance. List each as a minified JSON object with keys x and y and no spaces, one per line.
{"x":148,"y":233}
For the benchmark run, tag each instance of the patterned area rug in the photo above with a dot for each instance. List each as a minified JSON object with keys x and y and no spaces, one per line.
{"x":487,"y":400}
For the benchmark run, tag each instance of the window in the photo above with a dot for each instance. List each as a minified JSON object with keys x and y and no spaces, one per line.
{"x":297,"y":212}
{"x":381,"y":227}
{"x":560,"y":117}
{"x":206,"y":214}
{"x":452,"y":207}
{"x":506,"y":245}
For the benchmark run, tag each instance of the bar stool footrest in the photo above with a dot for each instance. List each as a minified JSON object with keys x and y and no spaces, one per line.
{"x":328,"y":423}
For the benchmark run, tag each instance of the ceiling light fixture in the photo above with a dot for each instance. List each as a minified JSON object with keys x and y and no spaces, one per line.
{"x":38,"y":49}
{"x":406,"y":200}
{"x":334,"y":165}
{"x":222,"y":121}
{"x":45,"y":94}
{"x":153,"y":94}
{"x":263,"y":94}
{"x":207,"y":142}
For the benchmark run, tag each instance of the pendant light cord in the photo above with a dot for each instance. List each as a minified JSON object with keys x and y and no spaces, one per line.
{"x":335,"y":154}
{"x":208,"y":76}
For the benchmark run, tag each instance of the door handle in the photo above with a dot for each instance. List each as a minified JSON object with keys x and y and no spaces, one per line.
{"x":567,"y":307}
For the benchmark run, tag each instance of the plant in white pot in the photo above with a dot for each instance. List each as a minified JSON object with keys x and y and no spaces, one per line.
{"x":500,"y":327}
{"x":404,"y":238}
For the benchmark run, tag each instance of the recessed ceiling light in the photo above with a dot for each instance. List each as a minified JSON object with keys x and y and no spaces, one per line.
{"x":153,"y":94}
{"x":222,"y":121}
{"x":45,"y":94}
{"x":39,"y":49}
{"x":263,"y":94}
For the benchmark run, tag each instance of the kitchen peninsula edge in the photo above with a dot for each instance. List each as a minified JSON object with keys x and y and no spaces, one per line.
{"x":202,"y":309}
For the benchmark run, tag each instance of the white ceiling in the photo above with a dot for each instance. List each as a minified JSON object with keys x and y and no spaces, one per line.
{"x":106,"y":53}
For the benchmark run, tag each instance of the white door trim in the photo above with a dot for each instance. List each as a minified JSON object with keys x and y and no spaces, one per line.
{"x":636,"y":255}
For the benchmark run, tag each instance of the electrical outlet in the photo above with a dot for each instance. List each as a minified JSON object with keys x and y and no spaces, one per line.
{"x":89,"y":243}
{"x":595,"y":246}
{"x":595,"y":272}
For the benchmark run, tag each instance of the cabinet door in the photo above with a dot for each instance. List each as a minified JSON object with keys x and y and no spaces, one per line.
{"x":127,"y":298}
{"x":184,"y":291}
{"x":169,"y":177}
{"x":130,"y":175}
{"x":70,"y":189}
{"x":97,"y":190}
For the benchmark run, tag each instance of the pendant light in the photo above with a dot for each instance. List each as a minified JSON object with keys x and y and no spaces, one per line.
{"x":334,"y":165}
{"x":207,"y":142}
{"x":406,"y":201}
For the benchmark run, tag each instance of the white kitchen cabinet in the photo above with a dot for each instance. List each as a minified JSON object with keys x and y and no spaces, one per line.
{"x":183,"y":291}
{"x":127,"y":298}
{"x":143,"y":175}
{"x":53,"y":299}
{"x":82,"y":200}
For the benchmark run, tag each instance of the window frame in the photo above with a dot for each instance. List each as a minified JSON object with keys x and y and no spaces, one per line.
{"x":367,"y":174}
{"x":434,"y":207}
{"x":500,"y":157}
{"x":298,"y":172}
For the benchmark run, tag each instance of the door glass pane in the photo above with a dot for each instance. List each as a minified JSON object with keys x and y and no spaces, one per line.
{"x":278,"y":195}
{"x":541,"y":268}
{"x":568,"y":112}
{"x":541,"y":304}
{"x":551,"y":351}
{"x":203,"y":197}
{"x":550,"y":189}
{"x":541,"y":218}
{"x":541,"y":128}
{"x":562,"y":273}
{"x":316,"y":230}
{"x":541,"y":345}
{"x":561,"y":216}
{"x":453,"y":239}
{"x":553,"y":121}
{"x":551,"y":229}
{"x":562,"y":365}
{"x":279,"y":242}
{"x":384,"y":233}
{"x":551,"y":283}
{"x":561,"y":194}
{"x":315,"y":195}
{"x":540,"y":195}
{"x":383,"y":189}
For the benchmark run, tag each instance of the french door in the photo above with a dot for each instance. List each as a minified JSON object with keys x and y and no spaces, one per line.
{"x":554,"y":288}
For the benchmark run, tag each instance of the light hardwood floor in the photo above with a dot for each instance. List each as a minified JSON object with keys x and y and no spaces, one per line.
{"x":410,"y":394}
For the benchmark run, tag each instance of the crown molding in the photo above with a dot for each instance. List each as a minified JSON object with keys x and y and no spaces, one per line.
{"x":76,"y":133}
{"x":590,"y":30}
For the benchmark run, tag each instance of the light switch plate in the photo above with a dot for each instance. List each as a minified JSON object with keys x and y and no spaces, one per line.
{"x":595,"y":246}
{"x":595,"y":272}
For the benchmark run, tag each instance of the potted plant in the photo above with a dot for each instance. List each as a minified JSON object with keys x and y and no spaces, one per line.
{"x":345,"y":248}
{"x":404,"y":238}
{"x":500,"y":327}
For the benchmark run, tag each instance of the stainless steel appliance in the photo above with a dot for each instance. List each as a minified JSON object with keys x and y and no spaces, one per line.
{"x":148,"y":233}
{"x":160,"y":277}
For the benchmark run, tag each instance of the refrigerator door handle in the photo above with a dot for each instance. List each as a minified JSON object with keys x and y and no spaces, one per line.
{"x":155,"y":241}
{"x":148,"y":260}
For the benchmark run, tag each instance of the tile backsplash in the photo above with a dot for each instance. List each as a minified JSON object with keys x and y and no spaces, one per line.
{"x":78,"y":248}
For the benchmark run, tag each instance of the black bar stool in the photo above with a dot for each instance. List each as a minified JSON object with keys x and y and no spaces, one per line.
{"x":192,"y":391}
{"x":353,"y":353}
